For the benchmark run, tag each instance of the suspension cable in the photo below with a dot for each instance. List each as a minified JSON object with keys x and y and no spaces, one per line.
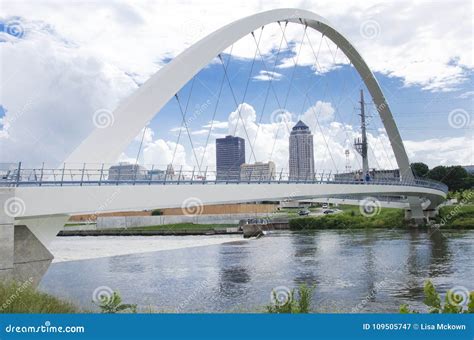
{"x":216,"y":106}
{"x":317,"y":121}
{"x":140,"y":147}
{"x":235,"y":101}
{"x":338,"y":104}
{"x":183,"y":118}
{"x":187,"y":131}
{"x":239,"y":107}
{"x":270,"y":85}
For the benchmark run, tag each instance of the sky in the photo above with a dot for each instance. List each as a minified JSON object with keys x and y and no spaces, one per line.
{"x":62,"y":65}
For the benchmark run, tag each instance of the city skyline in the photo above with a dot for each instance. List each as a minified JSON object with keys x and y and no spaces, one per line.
{"x":406,"y":77}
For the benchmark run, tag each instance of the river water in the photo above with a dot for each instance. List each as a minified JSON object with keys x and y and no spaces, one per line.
{"x":353,"y":271}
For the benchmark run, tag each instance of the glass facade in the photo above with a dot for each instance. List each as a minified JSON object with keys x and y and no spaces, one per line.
{"x":230,"y":155}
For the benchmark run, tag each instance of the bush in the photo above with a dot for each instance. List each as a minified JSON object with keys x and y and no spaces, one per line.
{"x":113,"y":304}
{"x":156,"y":212}
{"x":386,"y":218}
{"x":297,"y":302}
{"x":454,"y":302}
{"x":23,"y":298}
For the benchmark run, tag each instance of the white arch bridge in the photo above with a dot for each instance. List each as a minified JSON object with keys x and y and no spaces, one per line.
{"x":38,"y":201}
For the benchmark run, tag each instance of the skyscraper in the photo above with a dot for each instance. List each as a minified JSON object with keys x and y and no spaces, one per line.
{"x":230,"y":154}
{"x":301,"y":153}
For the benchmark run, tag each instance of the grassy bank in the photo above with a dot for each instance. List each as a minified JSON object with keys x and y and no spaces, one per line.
{"x":23,"y":298}
{"x":456,"y":217}
{"x":352,"y":218}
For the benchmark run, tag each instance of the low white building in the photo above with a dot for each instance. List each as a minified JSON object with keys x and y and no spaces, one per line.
{"x":257,"y":171}
{"x":127,"y":172}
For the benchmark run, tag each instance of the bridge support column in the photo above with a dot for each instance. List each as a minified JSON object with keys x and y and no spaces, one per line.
{"x":6,"y":236}
{"x":24,"y":255}
{"x":415,"y":211}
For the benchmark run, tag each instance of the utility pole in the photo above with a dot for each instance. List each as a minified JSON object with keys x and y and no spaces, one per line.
{"x":361,"y":144}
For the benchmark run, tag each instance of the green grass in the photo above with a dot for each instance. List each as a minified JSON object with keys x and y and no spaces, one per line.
{"x":23,"y":298}
{"x":351,"y":217}
{"x":456,"y":217}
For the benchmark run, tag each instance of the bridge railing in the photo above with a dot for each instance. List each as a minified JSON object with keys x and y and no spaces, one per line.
{"x":17,"y":174}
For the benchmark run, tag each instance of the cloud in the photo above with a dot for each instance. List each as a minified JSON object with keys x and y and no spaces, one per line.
{"x":267,"y":76}
{"x":269,"y":141}
{"x":57,"y":74}
{"x":466,"y":95}
{"x":50,"y":90}
{"x":146,"y":134}
{"x":216,"y":125}
{"x":442,"y":151}
{"x":162,"y":153}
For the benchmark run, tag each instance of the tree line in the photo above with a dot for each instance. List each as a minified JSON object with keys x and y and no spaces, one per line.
{"x":455,"y":177}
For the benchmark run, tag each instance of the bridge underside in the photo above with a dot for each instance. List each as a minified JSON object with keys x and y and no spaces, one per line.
{"x":68,"y":200}
{"x":24,"y":239}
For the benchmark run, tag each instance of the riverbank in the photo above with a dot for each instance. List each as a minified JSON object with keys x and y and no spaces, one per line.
{"x":450,"y":217}
{"x":456,"y":217}
{"x":18,"y":297}
{"x":180,"y":229}
{"x":352,"y":218}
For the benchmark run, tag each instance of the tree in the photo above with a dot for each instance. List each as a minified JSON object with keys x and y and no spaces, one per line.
{"x":420,"y":169}
{"x":455,"y":177}
{"x":438,"y":173}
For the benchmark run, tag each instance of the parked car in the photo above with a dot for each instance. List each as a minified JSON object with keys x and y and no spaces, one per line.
{"x":328,"y":211}
{"x":304,"y":212}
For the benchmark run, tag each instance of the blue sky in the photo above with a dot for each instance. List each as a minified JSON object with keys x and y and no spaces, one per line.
{"x":56,"y":75}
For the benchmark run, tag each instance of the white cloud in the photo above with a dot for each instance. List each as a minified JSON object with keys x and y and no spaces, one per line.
{"x":50,"y":90}
{"x":60,"y":73}
{"x":162,"y":153}
{"x":442,"y":151}
{"x":268,"y":75}
{"x":146,"y":134}
{"x":467,"y":94}
{"x":216,"y":125}
{"x":270,"y":142}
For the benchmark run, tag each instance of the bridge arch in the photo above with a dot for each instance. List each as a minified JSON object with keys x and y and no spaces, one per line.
{"x":104,"y":145}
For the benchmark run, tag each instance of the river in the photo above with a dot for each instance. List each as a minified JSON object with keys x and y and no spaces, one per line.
{"x":353,"y":271}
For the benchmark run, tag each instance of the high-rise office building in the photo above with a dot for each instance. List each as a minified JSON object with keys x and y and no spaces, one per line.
{"x":230,"y":155}
{"x":301,"y":153}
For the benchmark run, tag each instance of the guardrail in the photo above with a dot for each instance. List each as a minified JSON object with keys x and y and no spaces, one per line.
{"x":14,"y":175}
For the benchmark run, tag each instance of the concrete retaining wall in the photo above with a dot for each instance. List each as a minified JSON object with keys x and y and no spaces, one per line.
{"x":141,"y":221}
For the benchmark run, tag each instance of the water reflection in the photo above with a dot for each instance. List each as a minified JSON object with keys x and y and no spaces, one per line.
{"x":362,"y":271}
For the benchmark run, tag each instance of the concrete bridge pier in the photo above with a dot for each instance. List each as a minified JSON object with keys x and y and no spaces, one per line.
{"x":418,"y":212}
{"x":7,"y":223}
{"x":24,"y":255}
